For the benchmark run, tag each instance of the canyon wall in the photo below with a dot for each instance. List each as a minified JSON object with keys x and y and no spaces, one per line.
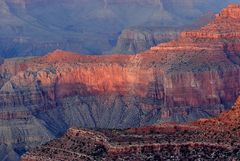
{"x":207,"y":139}
{"x":137,"y":39}
{"x":91,"y":27}
{"x":195,"y":76}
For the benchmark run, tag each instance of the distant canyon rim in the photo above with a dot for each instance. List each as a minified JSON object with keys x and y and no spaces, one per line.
{"x":195,"y":76}
{"x":36,"y":27}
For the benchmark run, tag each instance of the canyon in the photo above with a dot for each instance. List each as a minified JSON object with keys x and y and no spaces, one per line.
{"x":32,"y":28}
{"x":137,"y":39}
{"x":140,"y":38}
{"x":207,"y":139}
{"x":195,"y":76}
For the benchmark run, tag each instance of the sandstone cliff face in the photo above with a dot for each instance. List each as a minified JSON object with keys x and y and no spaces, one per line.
{"x":195,"y":76}
{"x":208,"y":139}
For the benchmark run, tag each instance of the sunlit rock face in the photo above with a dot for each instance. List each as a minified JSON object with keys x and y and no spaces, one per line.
{"x":193,"y":77}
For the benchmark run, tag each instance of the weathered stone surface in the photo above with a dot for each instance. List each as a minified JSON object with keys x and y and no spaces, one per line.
{"x":35,"y":27}
{"x":207,"y":139}
{"x":195,"y":76}
{"x":134,"y":40}
{"x":139,"y":38}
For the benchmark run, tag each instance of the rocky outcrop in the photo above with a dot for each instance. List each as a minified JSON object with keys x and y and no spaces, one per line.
{"x":134,"y":40}
{"x":193,"y":77}
{"x":137,"y":39}
{"x":208,"y":139}
{"x":37,"y":27}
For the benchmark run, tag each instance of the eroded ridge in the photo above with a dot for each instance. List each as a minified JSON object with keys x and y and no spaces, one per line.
{"x":208,"y":139}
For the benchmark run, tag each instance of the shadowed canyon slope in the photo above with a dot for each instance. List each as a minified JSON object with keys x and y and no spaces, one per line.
{"x":35,"y":27}
{"x":207,"y":139}
{"x":193,"y":77}
{"x":137,"y":39}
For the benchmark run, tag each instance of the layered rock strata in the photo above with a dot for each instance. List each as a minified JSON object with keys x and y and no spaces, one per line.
{"x":206,"y":139}
{"x":134,"y":40}
{"x":193,"y":77}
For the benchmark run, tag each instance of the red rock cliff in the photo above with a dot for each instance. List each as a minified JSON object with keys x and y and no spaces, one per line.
{"x":195,"y":76}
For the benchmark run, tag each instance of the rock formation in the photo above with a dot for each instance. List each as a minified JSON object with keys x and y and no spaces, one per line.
{"x":195,"y":76}
{"x":208,"y":139}
{"x":139,"y":38}
{"x":134,"y":40}
{"x":36,"y":27}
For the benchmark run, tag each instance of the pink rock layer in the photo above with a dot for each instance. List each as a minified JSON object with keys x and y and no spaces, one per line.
{"x":195,"y":76}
